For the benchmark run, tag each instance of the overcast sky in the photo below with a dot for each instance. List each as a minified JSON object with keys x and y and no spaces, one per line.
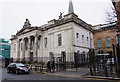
{"x":14,"y":12}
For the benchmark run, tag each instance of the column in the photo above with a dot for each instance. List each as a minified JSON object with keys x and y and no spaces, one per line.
{"x":35,"y":48}
{"x":23,"y":50}
{"x":29,"y":43}
{"x":18,"y":50}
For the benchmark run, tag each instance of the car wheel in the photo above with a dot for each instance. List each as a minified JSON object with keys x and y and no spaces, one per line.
{"x":17,"y":71}
{"x":28,"y":72}
{"x":8,"y":70}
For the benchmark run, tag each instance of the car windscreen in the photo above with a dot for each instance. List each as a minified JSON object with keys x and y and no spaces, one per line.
{"x":20,"y":65}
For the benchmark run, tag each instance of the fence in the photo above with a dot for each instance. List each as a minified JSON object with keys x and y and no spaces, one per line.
{"x":37,"y":68}
{"x":103,"y":64}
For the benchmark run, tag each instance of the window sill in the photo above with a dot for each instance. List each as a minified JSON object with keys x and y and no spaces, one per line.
{"x":108,"y":47}
{"x":99,"y":47}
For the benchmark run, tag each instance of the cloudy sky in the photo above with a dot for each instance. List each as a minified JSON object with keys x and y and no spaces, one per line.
{"x":14,"y":12}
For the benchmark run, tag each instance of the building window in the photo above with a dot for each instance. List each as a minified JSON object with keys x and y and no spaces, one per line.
{"x":99,"y":43}
{"x":87,"y":41}
{"x":45,"y":42}
{"x":59,"y":40}
{"x":77,"y":38}
{"x":77,"y":35}
{"x":82,"y":39}
{"x":14,"y":47}
{"x":108,"y":42}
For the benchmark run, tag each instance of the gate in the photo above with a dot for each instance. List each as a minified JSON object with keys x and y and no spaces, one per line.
{"x":61,"y":62}
{"x":103,"y":64}
{"x":81,"y":59}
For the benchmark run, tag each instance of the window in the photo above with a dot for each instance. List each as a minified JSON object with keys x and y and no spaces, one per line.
{"x":59,"y":40}
{"x":99,"y":43}
{"x":87,"y":42}
{"x":77,"y":38}
{"x":82,"y":39}
{"x":108,"y":42}
{"x":87,"y":39}
{"x":45,"y":42}
{"x":14,"y":47}
{"x":77,"y":35}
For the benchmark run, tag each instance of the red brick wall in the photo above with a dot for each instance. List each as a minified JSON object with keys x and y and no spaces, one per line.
{"x":117,"y":6}
{"x":103,"y":35}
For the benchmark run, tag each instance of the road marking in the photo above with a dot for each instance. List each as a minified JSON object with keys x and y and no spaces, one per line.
{"x":76,"y":76}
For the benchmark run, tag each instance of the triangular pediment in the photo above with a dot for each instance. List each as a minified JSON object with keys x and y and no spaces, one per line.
{"x":24,"y":30}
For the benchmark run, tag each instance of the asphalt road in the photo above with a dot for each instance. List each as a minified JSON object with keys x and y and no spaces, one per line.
{"x":38,"y":76}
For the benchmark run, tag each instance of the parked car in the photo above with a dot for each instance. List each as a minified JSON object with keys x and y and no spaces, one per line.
{"x":110,"y":61}
{"x":17,"y":68}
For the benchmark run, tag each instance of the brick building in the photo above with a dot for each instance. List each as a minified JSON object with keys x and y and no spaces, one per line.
{"x":117,"y":7}
{"x":104,"y":37}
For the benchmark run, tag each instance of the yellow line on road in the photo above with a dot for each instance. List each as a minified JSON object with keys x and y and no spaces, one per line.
{"x":76,"y":76}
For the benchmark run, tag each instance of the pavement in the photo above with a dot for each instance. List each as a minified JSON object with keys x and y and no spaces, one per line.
{"x":81,"y":73}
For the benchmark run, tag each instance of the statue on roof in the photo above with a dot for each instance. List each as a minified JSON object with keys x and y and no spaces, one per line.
{"x":27,"y":23}
{"x":61,"y":15}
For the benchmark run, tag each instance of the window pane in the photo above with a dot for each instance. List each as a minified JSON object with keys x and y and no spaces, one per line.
{"x":45,"y":42}
{"x":77,"y":35}
{"x":108,"y":42}
{"x":99,"y":43}
{"x":59,"y":40}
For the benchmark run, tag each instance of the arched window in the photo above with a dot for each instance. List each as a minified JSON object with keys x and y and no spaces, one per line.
{"x":99,"y":42}
{"x":108,"y":42}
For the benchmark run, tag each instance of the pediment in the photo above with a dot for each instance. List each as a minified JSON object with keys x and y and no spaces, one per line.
{"x":24,"y":30}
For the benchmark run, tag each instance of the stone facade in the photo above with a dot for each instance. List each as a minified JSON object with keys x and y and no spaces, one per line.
{"x":39,"y":42}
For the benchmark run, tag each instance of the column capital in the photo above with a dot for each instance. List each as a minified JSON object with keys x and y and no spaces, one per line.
{"x":36,"y":35}
{"x":28,"y":37}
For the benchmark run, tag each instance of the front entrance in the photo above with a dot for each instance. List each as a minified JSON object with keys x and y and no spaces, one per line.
{"x":31,"y":57}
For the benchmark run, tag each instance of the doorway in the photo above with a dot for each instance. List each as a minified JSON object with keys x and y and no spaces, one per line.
{"x":31,"y":57}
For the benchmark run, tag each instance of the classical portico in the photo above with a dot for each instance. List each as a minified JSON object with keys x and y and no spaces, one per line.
{"x":27,"y":48}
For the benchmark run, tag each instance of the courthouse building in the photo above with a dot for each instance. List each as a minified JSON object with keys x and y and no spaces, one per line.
{"x":67,"y":34}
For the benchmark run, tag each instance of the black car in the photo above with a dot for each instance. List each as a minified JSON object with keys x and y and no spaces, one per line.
{"x":17,"y":68}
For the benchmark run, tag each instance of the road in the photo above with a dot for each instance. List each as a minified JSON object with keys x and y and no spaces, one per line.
{"x":38,"y":76}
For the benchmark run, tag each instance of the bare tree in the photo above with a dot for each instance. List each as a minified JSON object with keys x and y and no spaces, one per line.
{"x":111,"y":16}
